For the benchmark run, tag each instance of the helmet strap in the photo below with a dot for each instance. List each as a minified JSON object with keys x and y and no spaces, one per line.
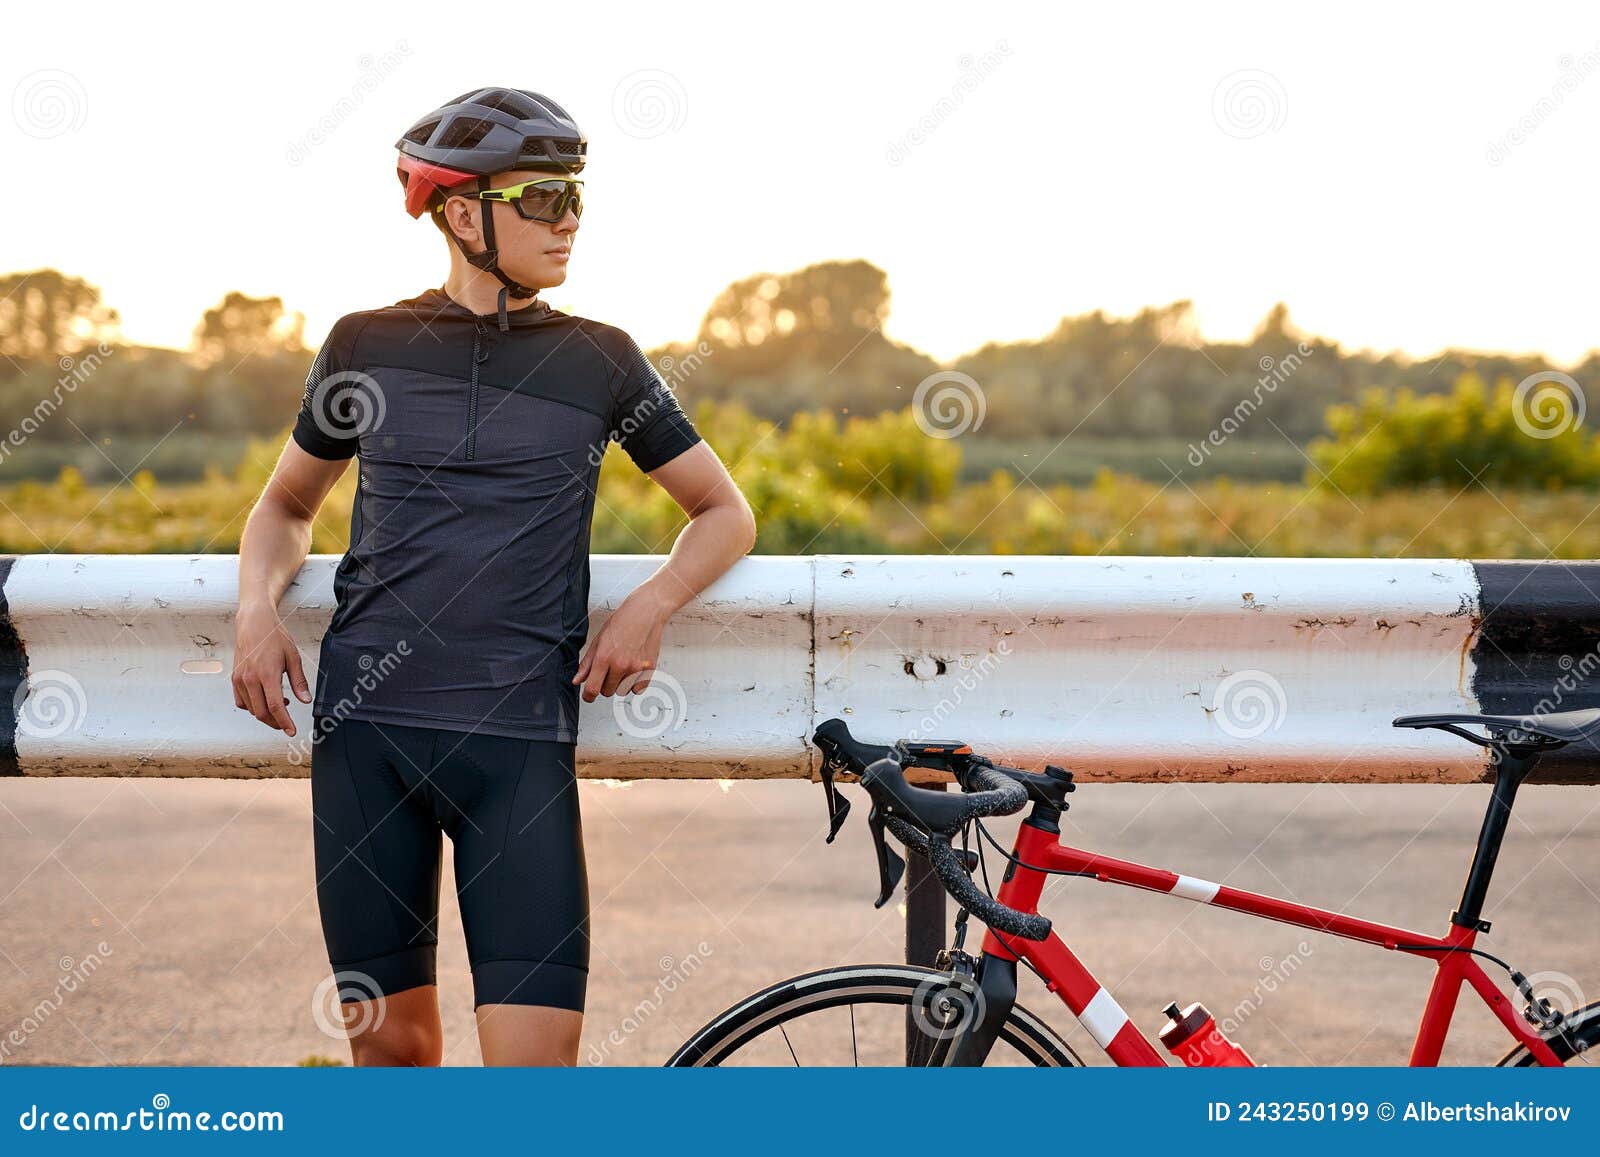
{"x":489,"y":259}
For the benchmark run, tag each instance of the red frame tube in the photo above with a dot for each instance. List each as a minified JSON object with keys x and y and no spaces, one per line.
{"x":1066,"y":976}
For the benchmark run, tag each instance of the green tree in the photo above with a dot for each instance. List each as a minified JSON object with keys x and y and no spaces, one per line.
{"x":46,"y":314}
{"x":1472,"y":436}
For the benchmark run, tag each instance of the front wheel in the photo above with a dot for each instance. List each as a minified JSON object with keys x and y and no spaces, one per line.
{"x":859,"y":1016}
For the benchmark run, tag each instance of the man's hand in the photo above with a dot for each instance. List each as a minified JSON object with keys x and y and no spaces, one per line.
{"x":628,"y":644}
{"x":263,"y":653}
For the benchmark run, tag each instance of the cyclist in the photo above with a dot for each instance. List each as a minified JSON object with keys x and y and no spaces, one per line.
{"x":448,"y":684}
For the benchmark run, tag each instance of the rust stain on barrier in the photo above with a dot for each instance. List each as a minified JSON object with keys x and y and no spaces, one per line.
{"x":1315,"y":624}
{"x":1466,"y":650}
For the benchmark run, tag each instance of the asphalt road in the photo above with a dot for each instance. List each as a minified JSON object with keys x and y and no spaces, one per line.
{"x":174,"y":922}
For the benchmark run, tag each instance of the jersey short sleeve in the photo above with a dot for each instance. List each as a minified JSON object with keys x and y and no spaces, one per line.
{"x":327,"y":425}
{"x":646,"y":418}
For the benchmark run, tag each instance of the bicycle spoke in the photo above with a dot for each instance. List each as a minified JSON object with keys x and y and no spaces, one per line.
{"x":786,"y":1041}
{"x":855,"y":1057}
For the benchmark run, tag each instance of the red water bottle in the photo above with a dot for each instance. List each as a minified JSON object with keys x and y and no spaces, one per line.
{"x":1194,"y":1038}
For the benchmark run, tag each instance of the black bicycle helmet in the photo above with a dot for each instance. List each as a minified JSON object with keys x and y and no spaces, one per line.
{"x":478,"y":134}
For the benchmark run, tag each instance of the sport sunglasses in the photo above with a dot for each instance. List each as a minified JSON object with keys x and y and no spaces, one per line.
{"x":541,"y":199}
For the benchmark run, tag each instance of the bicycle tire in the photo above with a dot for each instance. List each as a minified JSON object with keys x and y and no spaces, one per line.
{"x":1576,"y":1037}
{"x":885,"y":984}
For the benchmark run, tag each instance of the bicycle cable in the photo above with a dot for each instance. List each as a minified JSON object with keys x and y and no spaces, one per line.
{"x":984,"y":832}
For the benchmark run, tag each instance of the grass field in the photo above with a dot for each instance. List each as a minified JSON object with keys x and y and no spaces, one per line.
{"x":1001,"y":515}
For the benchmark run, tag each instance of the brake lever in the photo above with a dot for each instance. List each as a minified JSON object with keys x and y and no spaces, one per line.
{"x":890,"y":866}
{"x":838,"y":806}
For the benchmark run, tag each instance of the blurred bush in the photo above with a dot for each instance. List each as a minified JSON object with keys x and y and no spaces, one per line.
{"x":1471,"y":437}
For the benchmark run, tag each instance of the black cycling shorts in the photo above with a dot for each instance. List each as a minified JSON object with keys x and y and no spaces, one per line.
{"x":382,"y":794}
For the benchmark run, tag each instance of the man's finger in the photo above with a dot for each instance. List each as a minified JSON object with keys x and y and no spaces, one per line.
{"x":279,"y":706}
{"x":595,"y":680}
{"x":258,"y":704}
{"x":297,"y":676}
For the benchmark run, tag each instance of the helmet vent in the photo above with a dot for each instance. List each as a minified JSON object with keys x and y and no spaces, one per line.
{"x":510,"y":102}
{"x":463,"y":133}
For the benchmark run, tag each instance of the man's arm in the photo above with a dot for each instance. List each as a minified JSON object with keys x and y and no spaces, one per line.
{"x":721,"y":530}
{"x":276,"y":539}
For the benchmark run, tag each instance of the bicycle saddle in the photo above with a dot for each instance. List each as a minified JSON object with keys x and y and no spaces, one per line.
{"x":1559,"y":727}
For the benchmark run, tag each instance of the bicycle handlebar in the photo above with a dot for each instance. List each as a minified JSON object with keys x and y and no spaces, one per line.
{"x":926,"y":820}
{"x":940,"y":812}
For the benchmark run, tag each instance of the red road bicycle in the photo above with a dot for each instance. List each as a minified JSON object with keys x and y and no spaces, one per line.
{"x":964,"y":1012}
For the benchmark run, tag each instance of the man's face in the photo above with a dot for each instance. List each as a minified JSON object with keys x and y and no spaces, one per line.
{"x":532,"y":253}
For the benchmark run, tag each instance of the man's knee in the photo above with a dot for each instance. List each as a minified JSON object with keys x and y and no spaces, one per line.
{"x":395,"y":1036}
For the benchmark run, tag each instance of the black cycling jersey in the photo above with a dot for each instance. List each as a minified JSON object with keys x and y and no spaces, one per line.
{"x":462,"y":603}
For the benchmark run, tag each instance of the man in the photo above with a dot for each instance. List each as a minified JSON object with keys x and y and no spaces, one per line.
{"x":448,"y":685}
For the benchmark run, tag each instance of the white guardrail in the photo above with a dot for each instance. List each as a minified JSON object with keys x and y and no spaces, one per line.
{"x":1119,"y":668}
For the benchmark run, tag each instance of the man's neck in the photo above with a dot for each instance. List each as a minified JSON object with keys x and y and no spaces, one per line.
{"x":473,"y":289}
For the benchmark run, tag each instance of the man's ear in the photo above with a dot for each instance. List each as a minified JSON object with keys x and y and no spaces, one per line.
{"x":461,"y":220}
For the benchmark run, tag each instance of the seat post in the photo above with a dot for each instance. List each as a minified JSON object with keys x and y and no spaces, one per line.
{"x":1510,"y":766}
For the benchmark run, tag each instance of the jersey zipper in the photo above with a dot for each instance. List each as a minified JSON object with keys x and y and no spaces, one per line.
{"x":479,"y":355}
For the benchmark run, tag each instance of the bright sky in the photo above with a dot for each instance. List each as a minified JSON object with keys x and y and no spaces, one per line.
{"x":1351,"y":160}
